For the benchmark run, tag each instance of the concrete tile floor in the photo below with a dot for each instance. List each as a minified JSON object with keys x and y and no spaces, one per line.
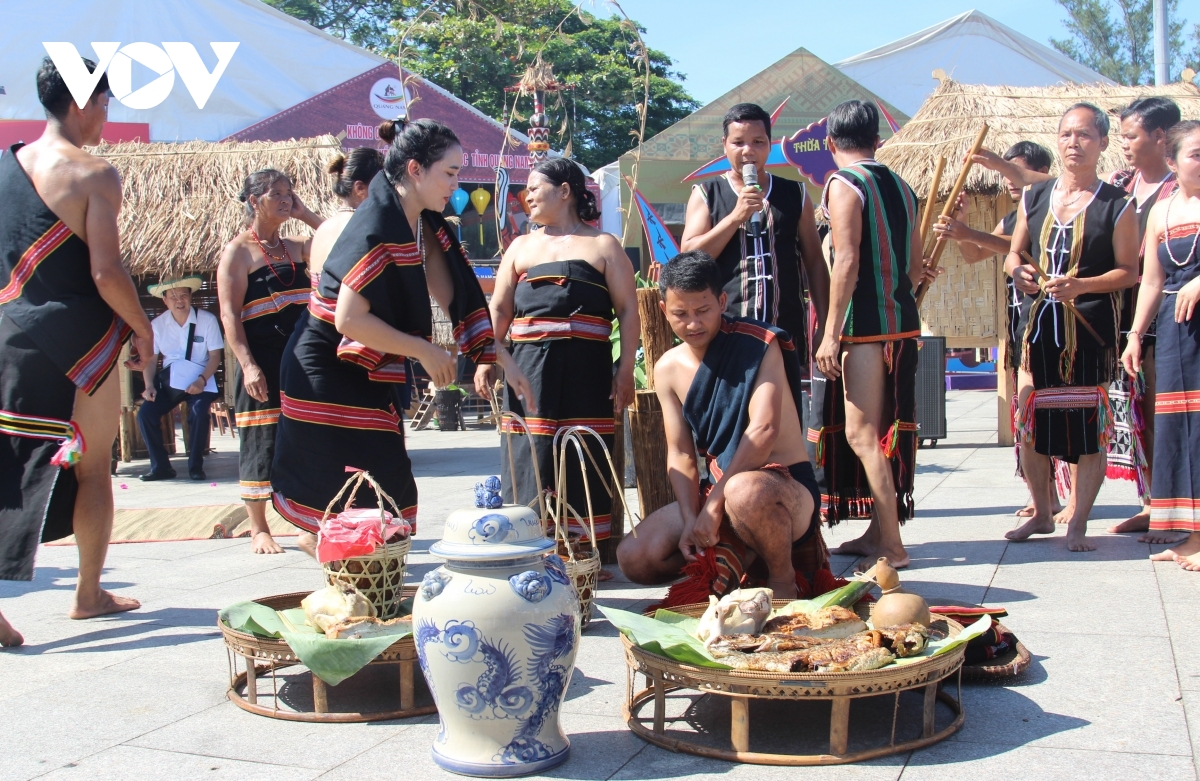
{"x":1114,"y":691}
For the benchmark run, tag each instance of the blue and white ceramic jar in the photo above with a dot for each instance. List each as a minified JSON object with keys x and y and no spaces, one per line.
{"x":496,"y":630}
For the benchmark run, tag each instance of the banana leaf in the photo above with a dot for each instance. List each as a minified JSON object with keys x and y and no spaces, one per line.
{"x":671,"y":637}
{"x":333,"y":661}
{"x":845,"y":596}
{"x":252,"y":618}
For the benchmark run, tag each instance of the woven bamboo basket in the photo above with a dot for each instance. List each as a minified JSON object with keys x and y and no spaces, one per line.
{"x":263,"y":656}
{"x":665,"y":675}
{"x":379,"y":576}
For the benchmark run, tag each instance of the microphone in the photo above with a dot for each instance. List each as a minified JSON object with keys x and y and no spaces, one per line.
{"x":750,"y":178}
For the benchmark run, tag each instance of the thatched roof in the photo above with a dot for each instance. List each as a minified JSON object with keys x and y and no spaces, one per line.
{"x":181,"y":204}
{"x":948,"y":121}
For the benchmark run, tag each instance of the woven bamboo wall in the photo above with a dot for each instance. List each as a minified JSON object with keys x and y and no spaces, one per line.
{"x":962,"y":305}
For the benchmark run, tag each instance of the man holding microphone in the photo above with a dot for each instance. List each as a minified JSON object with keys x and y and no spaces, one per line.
{"x":759,"y":228}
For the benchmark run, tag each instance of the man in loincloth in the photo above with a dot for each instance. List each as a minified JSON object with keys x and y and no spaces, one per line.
{"x":67,"y":305}
{"x":867,"y":443}
{"x":1082,"y":236}
{"x":732,"y":389}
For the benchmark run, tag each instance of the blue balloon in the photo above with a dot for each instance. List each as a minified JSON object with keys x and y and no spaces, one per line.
{"x":459,"y":200}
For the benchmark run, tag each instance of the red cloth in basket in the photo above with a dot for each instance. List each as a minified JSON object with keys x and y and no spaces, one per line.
{"x":357,"y":532}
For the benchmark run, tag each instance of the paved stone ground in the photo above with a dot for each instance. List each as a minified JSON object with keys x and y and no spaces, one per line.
{"x":1114,"y":691}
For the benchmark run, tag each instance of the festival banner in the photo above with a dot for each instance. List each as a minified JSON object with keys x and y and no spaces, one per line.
{"x":662,"y":243}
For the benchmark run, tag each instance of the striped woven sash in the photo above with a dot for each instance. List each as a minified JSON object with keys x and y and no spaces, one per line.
{"x":32,"y":427}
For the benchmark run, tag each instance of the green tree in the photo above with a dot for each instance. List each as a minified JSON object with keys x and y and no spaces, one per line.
{"x":1115,"y":38}
{"x":476,"y":48}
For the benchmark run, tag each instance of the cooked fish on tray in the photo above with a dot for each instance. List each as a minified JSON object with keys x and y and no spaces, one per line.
{"x":830,"y":622}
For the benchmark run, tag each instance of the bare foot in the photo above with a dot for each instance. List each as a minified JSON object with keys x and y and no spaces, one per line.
{"x":604,"y":575}
{"x":1189,"y":563}
{"x":1190,"y":547}
{"x":1026,"y":512}
{"x":866,"y":545}
{"x":897,"y":557}
{"x":9,"y":637}
{"x":1162,"y":538}
{"x":107,"y":603}
{"x":1033,"y":526}
{"x":1064,"y":515}
{"x":1136,"y":523}
{"x":307,"y":543}
{"x":1077,"y":539}
{"x":263,"y":542}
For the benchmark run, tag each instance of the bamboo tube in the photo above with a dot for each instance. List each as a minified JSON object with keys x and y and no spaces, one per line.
{"x":927,"y":216}
{"x":1068,"y":305}
{"x":948,"y":209}
{"x":656,"y":332}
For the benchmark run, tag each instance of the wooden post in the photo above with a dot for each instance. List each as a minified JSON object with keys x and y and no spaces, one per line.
{"x":320,"y":695}
{"x":656,"y":332}
{"x":251,"y":681}
{"x":407,"y":697}
{"x":1004,"y":379}
{"x":930,"y":712}
{"x":645,"y":417}
{"x":650,"y":453}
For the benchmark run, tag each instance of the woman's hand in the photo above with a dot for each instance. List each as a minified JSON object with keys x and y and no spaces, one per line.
{"x":1185,"y":301}
{"x":520,"y":385}
{"x":622,"y":389}
{"x":440,"y":365}
{"x":255,"y":382}
{"x":950,"y":228}
{"x":485,"y":379}
{"x":1131,"y":359}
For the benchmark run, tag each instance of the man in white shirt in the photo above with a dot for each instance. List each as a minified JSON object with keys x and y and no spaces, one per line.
{"x":191,"y":346}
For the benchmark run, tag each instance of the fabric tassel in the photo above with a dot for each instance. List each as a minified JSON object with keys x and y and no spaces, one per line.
{"x":820,"y":449}
{"x":1105,"y":417}
{"x":71,"y":451}
{"x":891,"y":440}
{"x":1025,"y":418}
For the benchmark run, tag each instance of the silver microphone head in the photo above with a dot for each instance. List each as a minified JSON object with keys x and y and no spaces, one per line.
{"x":750,"y":174}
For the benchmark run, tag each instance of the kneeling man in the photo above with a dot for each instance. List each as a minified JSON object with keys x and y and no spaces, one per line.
{"x":732,"y":389}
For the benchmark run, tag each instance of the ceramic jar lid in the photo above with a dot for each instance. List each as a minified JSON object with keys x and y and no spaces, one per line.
{"x":484,"y":534}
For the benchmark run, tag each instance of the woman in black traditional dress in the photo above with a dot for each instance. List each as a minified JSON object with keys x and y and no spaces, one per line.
{"x":1170,"y":290}
{"x":556,"y":291}
{"x":263,"y":285}
{"x":368,"y":318}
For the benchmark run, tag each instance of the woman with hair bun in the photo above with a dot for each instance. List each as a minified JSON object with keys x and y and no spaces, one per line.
{"x":347,"y":374}
{"x":556,"y":291}
{"x":262,"y":285}
{"x":352,"y":175}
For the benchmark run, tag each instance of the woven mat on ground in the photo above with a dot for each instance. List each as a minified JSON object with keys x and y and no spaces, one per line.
{"x":187,"y":523}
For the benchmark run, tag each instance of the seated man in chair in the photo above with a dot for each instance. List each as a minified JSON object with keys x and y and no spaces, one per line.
{"x":733,"y":385}
{"x":191,"y":346}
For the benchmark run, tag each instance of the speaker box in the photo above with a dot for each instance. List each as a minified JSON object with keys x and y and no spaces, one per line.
{"x":931,"y":388}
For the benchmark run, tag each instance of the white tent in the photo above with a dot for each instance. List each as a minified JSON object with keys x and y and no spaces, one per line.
{"x":279,"y":61}
{"x":971,"y":48}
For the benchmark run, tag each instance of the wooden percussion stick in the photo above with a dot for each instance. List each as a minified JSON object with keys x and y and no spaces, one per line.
{"x":951,"y":205}
{"x":1043,"y":278}
{"x":927,"y":215}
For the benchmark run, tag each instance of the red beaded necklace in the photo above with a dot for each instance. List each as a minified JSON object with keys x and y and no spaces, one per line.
{"x":271,"y":266}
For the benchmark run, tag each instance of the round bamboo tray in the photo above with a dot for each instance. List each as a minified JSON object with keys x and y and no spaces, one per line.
{"x":264,"y":656}
{"x":665,"y":675}
{"x":1004,"y":666}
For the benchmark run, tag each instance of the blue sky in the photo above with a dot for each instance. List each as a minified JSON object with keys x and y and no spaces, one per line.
{"x":718,"y":44}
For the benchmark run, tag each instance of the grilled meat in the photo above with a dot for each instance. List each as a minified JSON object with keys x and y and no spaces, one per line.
{"x":867,"y":660}
{"x":831,"y":622}
{"x":906,"y":639}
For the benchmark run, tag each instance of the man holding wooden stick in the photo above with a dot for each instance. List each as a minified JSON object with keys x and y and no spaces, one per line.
{"x":868,"y":441}
{"x":1083,"y":243}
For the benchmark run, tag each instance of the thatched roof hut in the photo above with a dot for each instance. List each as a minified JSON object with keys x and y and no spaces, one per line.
{"x":947,"y":123}
{"x":181,"y":204}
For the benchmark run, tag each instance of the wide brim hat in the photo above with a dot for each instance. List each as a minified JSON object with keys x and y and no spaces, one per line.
{"x":191,"y":282}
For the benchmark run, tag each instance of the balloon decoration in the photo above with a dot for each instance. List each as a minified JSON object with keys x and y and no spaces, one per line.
{"x":459,"y":201}
{"x":480,"y":198}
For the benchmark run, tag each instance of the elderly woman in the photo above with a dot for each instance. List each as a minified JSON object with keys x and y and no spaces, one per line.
{"x":263,"y":285}
{"x":368,"y":318}
{"x":556,"y":292}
